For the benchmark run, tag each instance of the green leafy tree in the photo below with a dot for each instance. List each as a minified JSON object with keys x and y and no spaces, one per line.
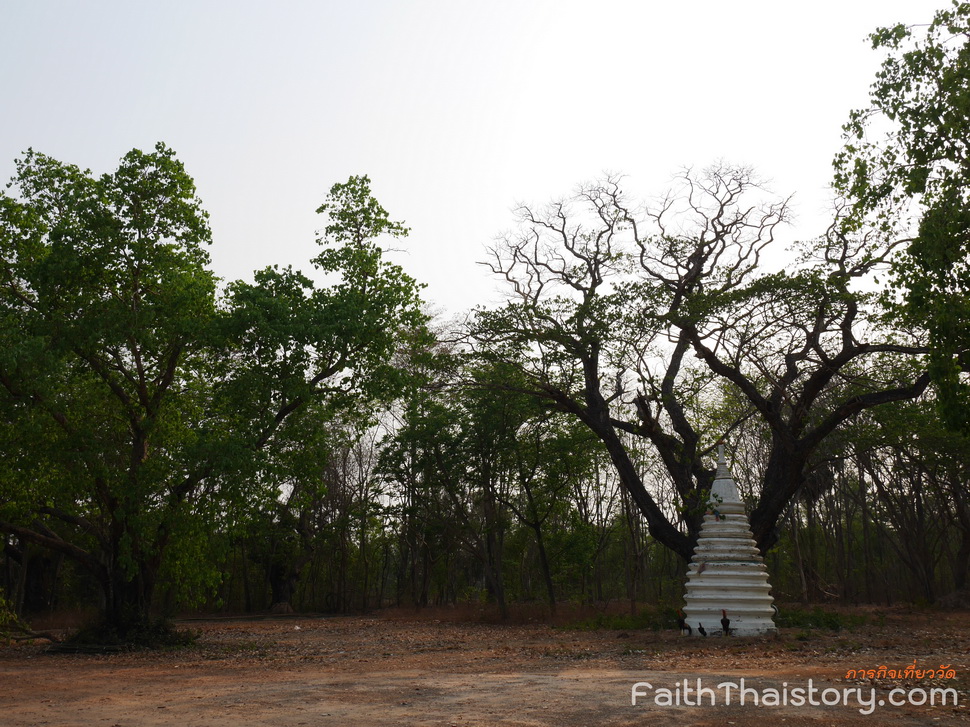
{"x":918,"y":470}
{"x":305,"y":359}
{"x":446,"y":461}
{"x":549,"y":459}
{"x":904,"y":165}
{"x":106,"y":304}
{"x":470,"y":466}
{"x":143,"y":408}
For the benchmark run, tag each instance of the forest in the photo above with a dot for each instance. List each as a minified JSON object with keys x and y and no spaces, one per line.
{"x":320,"y":442}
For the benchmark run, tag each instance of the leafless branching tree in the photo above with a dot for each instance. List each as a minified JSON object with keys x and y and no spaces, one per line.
{"x":668,"y":322}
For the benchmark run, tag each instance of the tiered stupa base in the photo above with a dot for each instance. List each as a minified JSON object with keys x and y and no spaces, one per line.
{"x":727,"y":575}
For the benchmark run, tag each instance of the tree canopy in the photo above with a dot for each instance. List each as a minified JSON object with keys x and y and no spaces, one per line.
{"x":140,"y":405}
{"x":904,"y":169}
{"x":628,"y":320}
{"x":303,"y":439}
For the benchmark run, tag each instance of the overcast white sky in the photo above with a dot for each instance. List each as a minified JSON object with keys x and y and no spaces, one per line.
{"x":455,"y":109}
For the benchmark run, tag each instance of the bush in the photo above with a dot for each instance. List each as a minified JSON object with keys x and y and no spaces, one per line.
{"x":153,"y":634}
{"x":10,"y":623}
{"x":817,"y":618}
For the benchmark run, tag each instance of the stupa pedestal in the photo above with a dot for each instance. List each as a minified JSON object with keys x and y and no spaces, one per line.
{"x":727,"y":572}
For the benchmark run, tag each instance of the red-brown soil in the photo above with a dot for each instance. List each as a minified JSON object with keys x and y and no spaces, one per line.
{"x":395,"y":669}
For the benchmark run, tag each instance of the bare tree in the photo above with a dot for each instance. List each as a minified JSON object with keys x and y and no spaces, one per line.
{"x":616,"y":309}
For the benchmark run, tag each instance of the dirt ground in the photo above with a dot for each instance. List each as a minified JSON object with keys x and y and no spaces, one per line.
{"x":399,"y":669}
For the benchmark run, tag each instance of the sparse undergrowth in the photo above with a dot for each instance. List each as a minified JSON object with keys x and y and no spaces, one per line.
{"x":153,"y":634}
{"x":14,"y":628}
{"x":10,"y":623}
{"x":818,"y":618}
{"x":653,"y":618}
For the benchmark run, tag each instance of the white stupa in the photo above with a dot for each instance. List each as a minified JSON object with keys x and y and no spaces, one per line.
{"x":727,"y":571}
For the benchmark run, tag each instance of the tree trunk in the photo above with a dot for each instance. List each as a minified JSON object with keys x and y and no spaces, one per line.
{"x":282,"y":584}
{"x":283,"y":576}
{"x":128,"y":602}
{"x":659,"y":526}
{"x":546,"y":570}
{"x":783,"y":477}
